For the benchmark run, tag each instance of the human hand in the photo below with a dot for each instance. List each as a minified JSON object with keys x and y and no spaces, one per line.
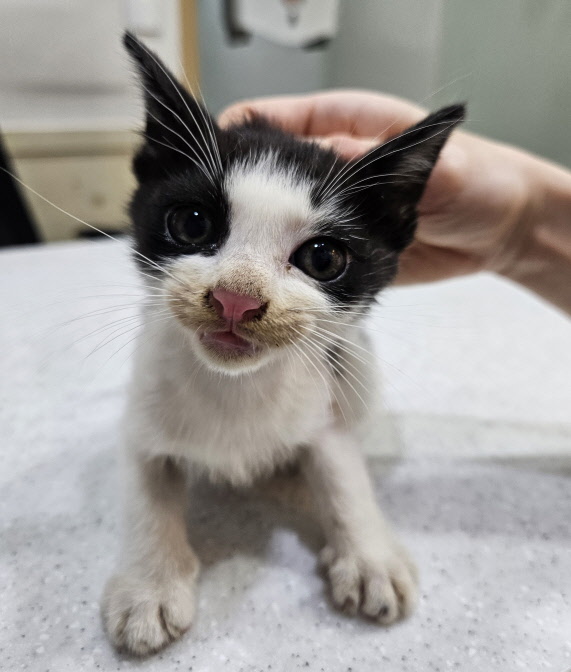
{"x":474,"y":212}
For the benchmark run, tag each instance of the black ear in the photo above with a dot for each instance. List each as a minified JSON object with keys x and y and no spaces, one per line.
{"x":178,"y":128}
{"x":399,"y":169}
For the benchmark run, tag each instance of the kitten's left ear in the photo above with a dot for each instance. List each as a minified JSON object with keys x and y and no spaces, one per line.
{"x":399,"y":169}
{"x":178,"y":127}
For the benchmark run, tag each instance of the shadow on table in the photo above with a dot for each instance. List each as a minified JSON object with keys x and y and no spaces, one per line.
{"x":223,"y":521}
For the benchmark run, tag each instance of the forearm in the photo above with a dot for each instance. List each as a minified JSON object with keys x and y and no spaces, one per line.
{"x":543,"y":262}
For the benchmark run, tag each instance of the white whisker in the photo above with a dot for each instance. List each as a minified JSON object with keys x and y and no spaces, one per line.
{"x":198,"y":162}
{"x":81,"y":221}
{"x":354,"y":168}
{"x":207,"y":119}
{"x":315,"y":348}
{"x":177,"y":90}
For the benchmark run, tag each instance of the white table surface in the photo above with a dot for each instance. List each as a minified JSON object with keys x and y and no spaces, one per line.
{"x":472,"y":462}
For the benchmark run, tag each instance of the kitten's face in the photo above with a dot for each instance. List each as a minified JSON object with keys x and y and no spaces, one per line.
{"x":259,"y":240}
{"x":257,"y":261}
{"x":246,"y":298}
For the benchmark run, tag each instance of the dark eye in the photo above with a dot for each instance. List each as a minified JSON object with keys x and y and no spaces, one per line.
{"x":321,"y":258}
{"x":189,"y":226}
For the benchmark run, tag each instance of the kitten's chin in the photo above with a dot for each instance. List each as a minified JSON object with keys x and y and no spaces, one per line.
{"x":226,"y":352}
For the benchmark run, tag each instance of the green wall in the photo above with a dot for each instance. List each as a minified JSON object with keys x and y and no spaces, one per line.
{"x":514,"y":57}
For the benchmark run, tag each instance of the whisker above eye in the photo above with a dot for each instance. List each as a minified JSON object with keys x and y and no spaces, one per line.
{"x":176,"y":89}
{"x":207,"y":119}
{"x":179,"y":151}
{"x":203,"y":160}
{"x":198,"y":161}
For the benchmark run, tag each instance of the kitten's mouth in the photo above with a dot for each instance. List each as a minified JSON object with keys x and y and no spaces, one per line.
{"x":228,"y":343}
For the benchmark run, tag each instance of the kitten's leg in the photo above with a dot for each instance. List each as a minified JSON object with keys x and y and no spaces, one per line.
{"x":149,"y":602}
{"x":369,"y":571}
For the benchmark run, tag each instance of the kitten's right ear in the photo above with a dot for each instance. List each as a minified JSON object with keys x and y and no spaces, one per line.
{"x":178,"y":128}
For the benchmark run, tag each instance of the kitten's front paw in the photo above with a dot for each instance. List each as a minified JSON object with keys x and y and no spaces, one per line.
{"x":142,"y":616}
{"x":380,"y":585}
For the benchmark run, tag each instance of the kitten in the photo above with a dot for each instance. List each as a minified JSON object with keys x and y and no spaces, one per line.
{"x":260,"y":253}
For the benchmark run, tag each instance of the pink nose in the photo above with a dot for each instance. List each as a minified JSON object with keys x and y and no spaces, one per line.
{"x":236,"y":307}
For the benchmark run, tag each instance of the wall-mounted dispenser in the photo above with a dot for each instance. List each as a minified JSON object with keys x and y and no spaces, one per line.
{"x":291,"y":23}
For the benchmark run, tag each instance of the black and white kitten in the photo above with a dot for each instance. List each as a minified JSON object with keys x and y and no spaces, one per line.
{"x":260,"y":253}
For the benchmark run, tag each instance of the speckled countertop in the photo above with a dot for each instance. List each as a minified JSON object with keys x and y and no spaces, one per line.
{"x":471,"y":460}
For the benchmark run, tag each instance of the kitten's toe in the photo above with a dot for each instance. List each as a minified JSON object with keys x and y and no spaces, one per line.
{"x":142,"y":616}
{"x":380,"y":586}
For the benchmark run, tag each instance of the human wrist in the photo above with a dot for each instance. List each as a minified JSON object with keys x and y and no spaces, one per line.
{"x":541,"y":258}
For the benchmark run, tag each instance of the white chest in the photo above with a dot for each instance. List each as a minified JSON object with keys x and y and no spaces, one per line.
{"x":233,"y":427}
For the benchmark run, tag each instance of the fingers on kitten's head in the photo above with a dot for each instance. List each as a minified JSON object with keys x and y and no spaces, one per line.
{"x":346,"y":146}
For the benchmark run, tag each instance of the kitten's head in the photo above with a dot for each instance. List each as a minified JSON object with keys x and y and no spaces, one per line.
{"x":258,"y":239}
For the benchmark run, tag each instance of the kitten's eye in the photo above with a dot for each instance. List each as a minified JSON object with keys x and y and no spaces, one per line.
{"x":189,"y":226}
{"x":321,"y":258}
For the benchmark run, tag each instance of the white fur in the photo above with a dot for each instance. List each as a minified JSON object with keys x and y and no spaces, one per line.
{"x":243,"y":421}
{"x":271,"y":209}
